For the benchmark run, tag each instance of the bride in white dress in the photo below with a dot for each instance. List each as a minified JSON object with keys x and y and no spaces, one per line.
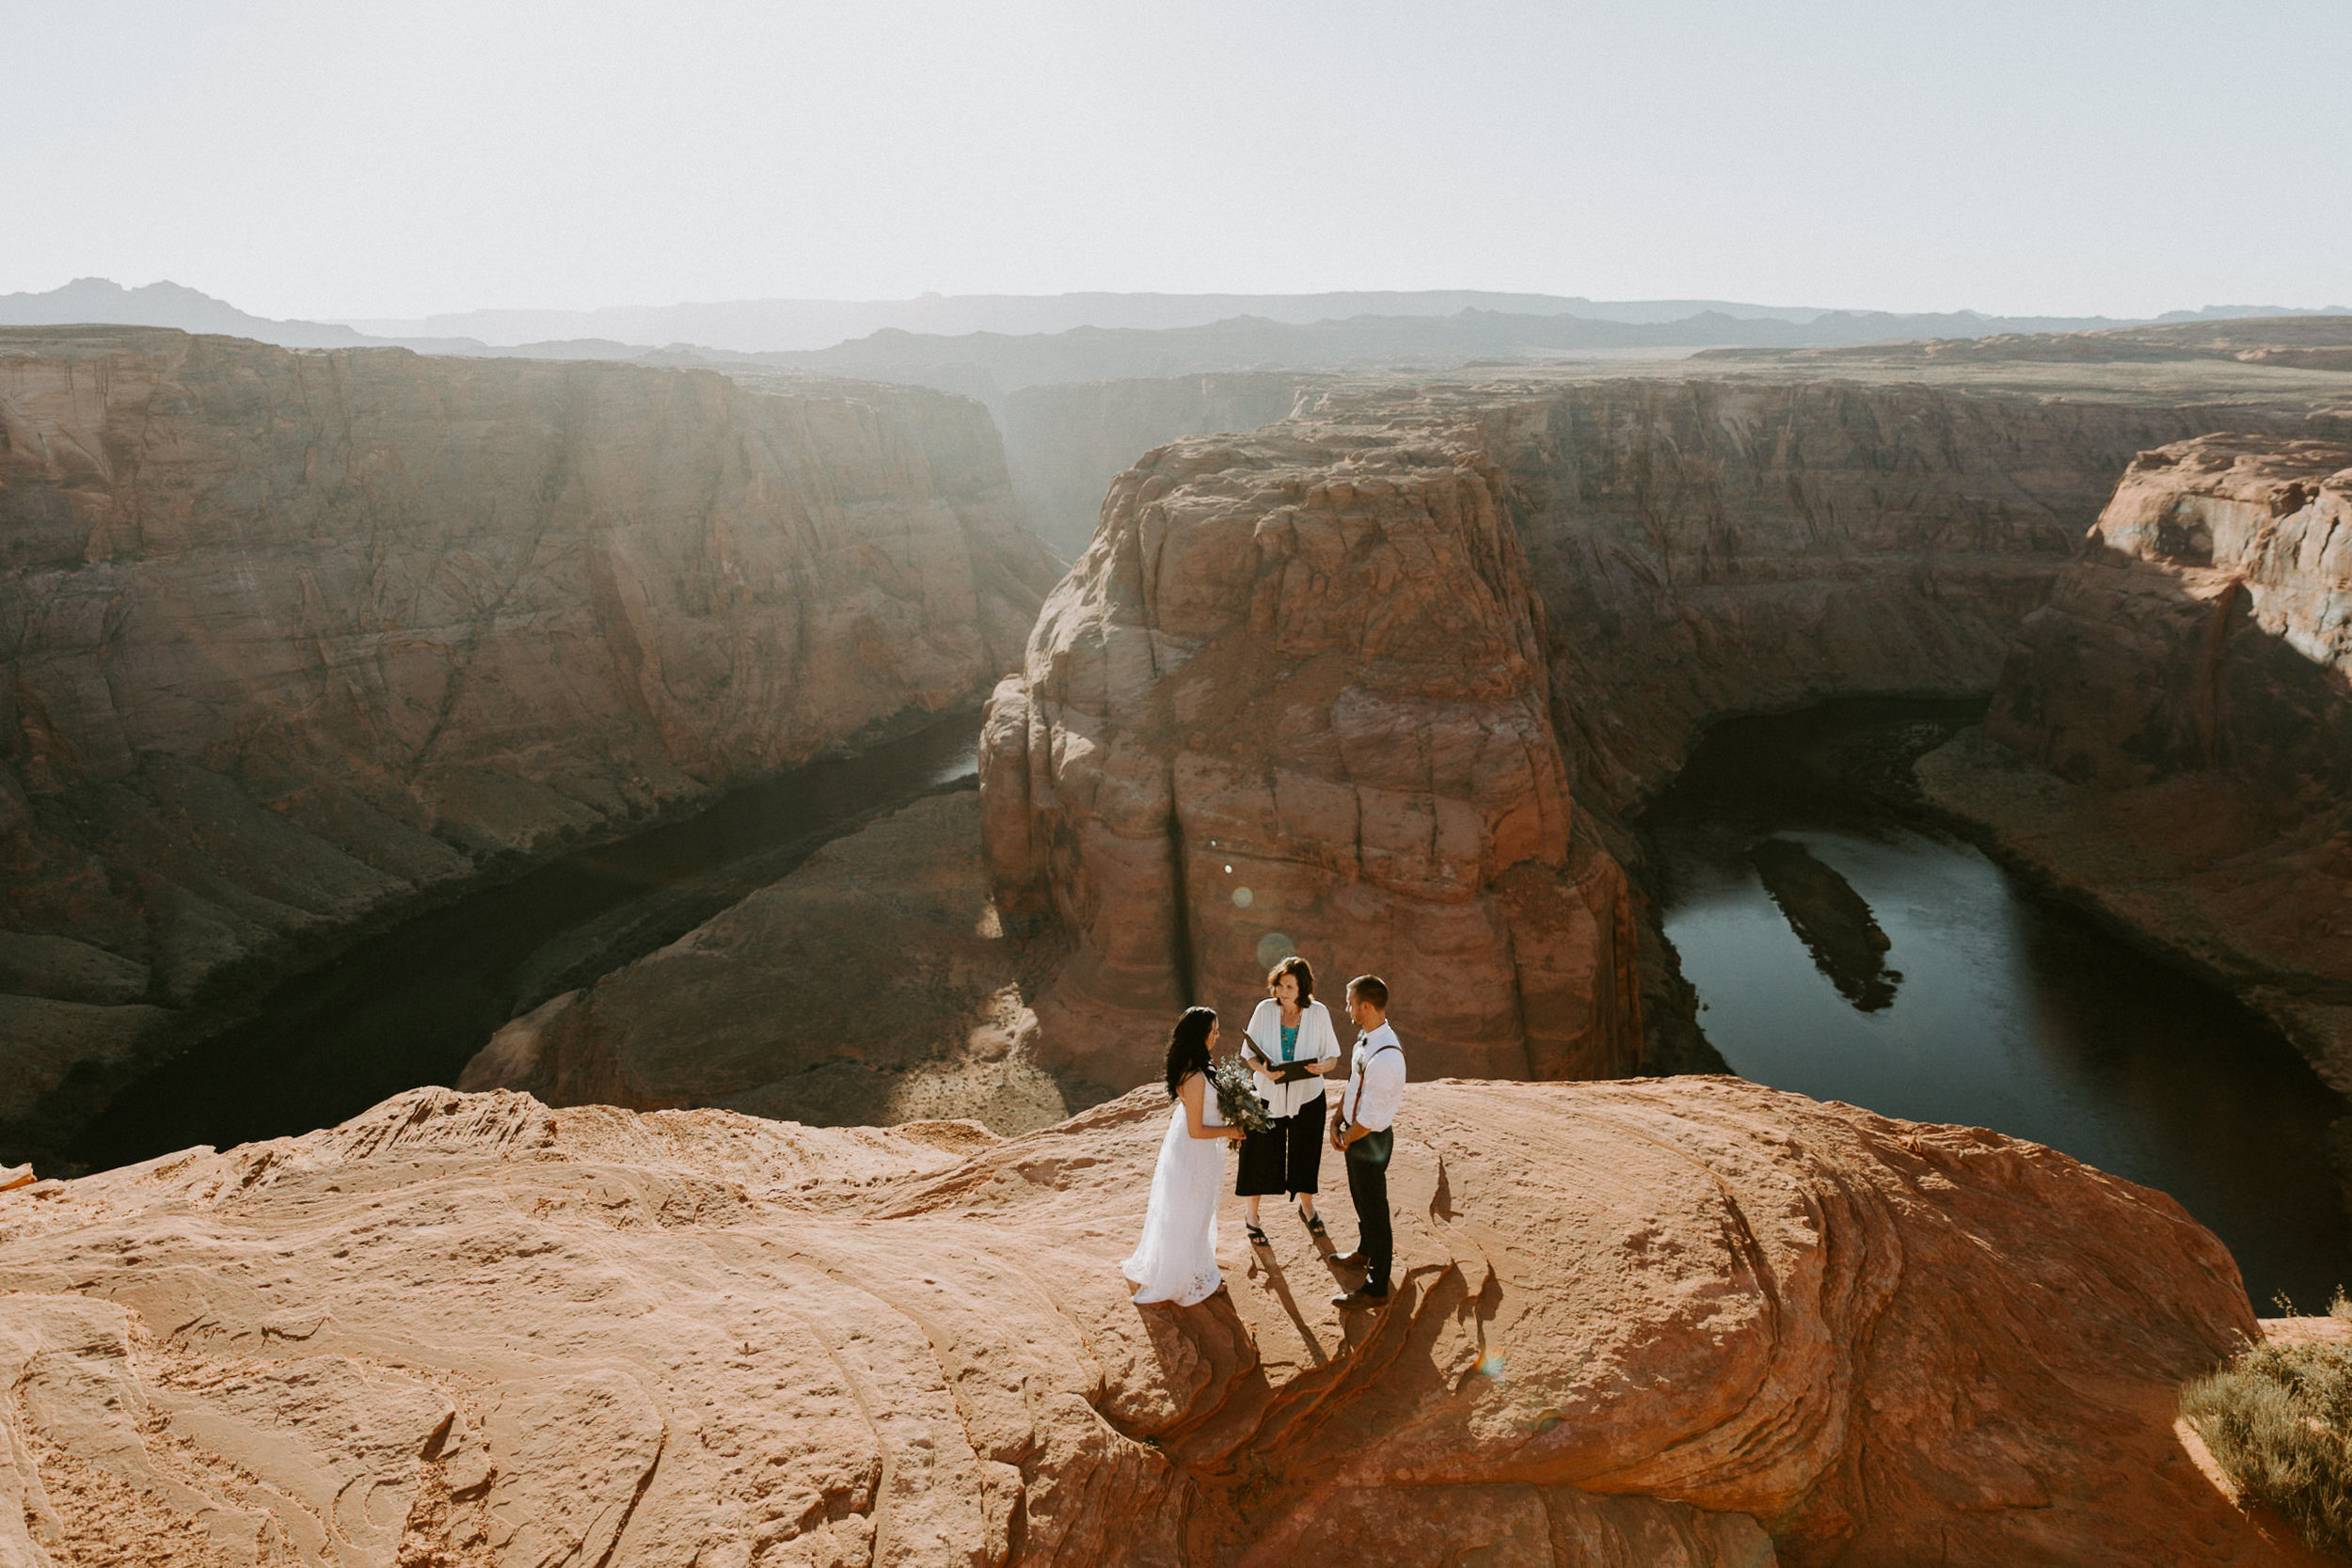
{"x":1176,"y":1259}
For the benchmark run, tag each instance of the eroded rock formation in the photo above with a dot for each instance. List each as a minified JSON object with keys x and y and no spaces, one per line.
{"x":1688,"y":1322}
{"x":1291,"y":700}
{"x":1365,"y":656}
{"x":1708,"y":548}
{"x":289,"y":640}
{"x":2174,"y":729}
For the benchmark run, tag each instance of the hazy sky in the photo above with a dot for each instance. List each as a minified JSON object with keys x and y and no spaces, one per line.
{"x":338,"y":158}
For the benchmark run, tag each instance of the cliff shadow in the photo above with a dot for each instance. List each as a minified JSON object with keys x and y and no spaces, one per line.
{"x":1833,"y":921}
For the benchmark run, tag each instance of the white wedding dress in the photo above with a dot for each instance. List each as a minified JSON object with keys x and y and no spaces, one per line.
{"x":1176,"y":1259}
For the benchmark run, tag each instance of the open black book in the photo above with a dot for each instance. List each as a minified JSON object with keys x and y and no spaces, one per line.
{"x":1282,"y":1072}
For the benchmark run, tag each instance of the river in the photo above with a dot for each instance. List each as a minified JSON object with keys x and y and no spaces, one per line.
{"x":412,"y":1005}
{"x":1844,"y":945}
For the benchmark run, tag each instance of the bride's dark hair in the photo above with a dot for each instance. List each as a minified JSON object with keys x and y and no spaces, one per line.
{"x":1188,"y":1046}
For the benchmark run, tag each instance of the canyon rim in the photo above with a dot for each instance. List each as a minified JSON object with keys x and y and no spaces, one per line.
{"x":793,"y":1239}
{"x":653,"y":662}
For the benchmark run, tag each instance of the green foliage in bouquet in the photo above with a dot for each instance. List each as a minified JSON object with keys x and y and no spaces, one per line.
{"x":1237,"y":1099}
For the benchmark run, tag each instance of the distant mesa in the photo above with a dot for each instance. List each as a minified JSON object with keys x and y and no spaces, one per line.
{"x":987,"y":346}
{"x":994,"y":367}
{"x":98,"y":301}
{"x":2316,"y":341}
{"x":1833,"y":921}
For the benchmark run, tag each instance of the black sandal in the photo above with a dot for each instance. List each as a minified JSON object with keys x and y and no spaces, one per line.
{"x":1257,"y":1237}
{"x":1314,"y":1225}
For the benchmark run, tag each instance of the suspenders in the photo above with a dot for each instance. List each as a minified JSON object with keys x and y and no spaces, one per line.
{"x":1355,"y":1076}
{"x":1373,"y":1149}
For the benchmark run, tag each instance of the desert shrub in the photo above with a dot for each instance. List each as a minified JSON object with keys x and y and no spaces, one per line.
{"x":2279,"y":1420}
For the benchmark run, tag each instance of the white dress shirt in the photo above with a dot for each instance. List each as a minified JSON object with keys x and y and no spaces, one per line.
{"x":1376,"y":1081}
{"x":1317,"y":1040}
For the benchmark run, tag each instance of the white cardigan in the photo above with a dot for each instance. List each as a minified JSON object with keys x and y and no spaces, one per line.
{"x":1316,"y":1039}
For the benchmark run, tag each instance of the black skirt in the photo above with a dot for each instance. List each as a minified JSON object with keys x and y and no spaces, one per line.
{"x":1286,"y":1157}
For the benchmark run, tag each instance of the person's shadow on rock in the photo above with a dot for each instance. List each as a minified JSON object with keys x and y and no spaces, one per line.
{"x":1263,"y":1263}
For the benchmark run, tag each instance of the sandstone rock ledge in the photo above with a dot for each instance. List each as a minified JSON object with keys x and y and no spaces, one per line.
{"x":1642,"y":1322}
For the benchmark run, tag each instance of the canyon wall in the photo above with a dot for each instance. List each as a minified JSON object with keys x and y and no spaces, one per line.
{"x":1356,"y":665}
{"x":1294,"y":697}
{"x":1711,"y":547}
{"x":288,"y":640}
{"x":1065,"y":442}
{"x":2171,"y":739}
{"x":1700,"y":1322}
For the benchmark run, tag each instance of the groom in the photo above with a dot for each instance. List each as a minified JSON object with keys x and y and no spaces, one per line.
{"x":1361,"y":1129}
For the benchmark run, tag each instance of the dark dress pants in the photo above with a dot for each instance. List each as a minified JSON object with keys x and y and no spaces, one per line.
{"x":1285,"y":1157}
{"x":1368,"y":1185}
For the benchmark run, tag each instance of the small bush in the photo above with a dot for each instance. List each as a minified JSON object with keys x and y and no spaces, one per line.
{"x":2279,"y":1420}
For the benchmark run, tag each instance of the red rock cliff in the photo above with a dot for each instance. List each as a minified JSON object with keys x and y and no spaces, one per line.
{"x":1707,"y":548}
{"x":287,"y":638}
{"x":1365,"y":656}
{"x":2179,"y":724}
{"x":1295,"y":694}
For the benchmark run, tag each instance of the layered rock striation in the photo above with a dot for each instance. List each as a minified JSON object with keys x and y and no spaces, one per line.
{"x":1690,"y":1321}
{"x":289,"y":640}
{"x":1707,"y":548}
{"x":2171,"y":739}
{"x":1366,"y":657}
{"x":1296,"y":700}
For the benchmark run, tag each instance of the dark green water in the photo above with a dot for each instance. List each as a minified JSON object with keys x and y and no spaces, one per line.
{"x":1989,"y":1004}
{"x":411,"y":1006}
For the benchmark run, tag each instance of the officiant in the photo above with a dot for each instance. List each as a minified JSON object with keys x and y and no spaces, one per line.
{"x":1291,"y":1046}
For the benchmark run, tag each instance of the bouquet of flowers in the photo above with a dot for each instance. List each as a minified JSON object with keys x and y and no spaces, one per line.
{"x":1237,"y":1099}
